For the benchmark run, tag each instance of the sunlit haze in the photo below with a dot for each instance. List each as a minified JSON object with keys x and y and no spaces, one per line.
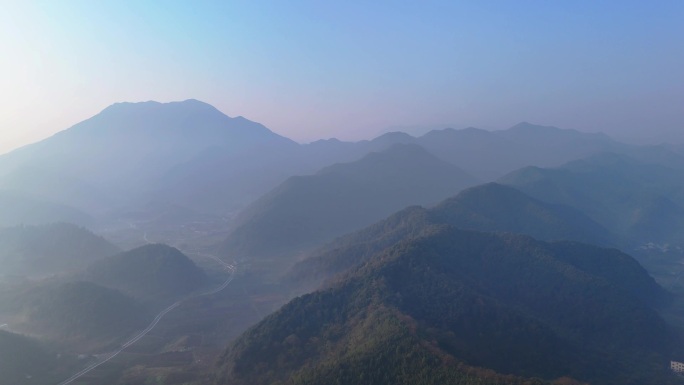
{"x":352,"y":70}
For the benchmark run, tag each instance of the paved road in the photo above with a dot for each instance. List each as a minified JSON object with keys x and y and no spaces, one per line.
{"x":155,"y":321}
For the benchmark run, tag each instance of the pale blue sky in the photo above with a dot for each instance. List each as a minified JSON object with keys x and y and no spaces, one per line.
{"x":349,"y":69}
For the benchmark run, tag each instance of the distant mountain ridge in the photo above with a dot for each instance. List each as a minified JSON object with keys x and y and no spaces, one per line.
{"x":117,"y":154}
{"x":489,"y":155}
{"x":190,"y":155}
{"x":307,"y":210}
{"x":641,"y":200}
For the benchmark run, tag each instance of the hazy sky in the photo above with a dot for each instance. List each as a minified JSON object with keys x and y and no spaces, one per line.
{"x":349,"y":69}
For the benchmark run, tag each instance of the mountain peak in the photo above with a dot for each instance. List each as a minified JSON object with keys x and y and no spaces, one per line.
{"x":189,"y":119}
{"x":394,"y":137}
{"x":532,"y":128}
{"x":151,"y":106}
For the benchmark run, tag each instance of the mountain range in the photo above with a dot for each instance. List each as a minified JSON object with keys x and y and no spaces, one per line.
{"x":640,"y":201}
{"x":490,"y":207}
{"x":297,"y":214}
{"x":191,"y":155}
{"x":401,"y":269}
{"x":111,"y":158}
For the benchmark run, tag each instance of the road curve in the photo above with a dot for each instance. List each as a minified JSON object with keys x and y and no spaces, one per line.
{"x":155,"y":322}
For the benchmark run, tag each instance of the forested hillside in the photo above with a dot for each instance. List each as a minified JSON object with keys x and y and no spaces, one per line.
{"x":490,"y":207}
{"x":504,"y":302}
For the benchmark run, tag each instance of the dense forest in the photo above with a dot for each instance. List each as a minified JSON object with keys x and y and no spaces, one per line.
{"x":450,"y":298}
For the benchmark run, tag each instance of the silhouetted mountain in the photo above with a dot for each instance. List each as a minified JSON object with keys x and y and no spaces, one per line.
{"x":216,"y":181}
{"x":641,"y":202}
{"x":18,"y":208}
{"x":191,"y":155}
{"x":214,"y":177}
{"x":491,"y":154}
{"x":52,"y":248}
{"x":150,"y":272}
{"x":115,"y":157}
{"x":485,"y":154}
{"x":307,"y":210}
{"x":77,"y":313}
{"x":428,"y":308}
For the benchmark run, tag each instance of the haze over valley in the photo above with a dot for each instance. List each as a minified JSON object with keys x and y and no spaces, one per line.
{"x":185,"y":227}
{"x":209,"y":193}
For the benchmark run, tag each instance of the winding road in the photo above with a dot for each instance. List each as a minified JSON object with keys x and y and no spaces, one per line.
{"x":156,"y":319}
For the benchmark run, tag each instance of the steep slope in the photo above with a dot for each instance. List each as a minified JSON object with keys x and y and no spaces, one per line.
{"x":450,"y":298}
{"x":114,"y":157}
{"x":51,"y":248}
{"x":641,"y":202}
{"x":150,"y":272}
{"x":307,"y":210}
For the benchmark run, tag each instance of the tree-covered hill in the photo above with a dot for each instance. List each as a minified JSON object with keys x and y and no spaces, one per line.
{"x":490,"y":207}
{"x":150,"y":272}
{"x":494,"y":207}
{"x":431,"y":306}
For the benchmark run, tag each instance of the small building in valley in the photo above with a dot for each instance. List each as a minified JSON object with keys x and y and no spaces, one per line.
{"x":677,"y":367}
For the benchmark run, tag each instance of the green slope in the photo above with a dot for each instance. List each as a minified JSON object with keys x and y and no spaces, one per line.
{"x":451,"y":297}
